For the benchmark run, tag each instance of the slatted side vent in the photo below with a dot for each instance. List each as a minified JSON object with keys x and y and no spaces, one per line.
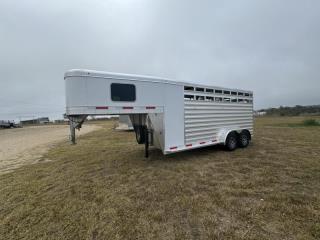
{"x":217,"y":95}
{"x":208,"y":111}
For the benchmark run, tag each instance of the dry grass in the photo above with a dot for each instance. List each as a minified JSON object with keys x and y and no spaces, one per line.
{"x":102,"y":188}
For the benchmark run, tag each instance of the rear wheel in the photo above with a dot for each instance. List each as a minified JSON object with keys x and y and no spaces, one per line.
{"x":232,"y":141}
{"x":244,"y":139}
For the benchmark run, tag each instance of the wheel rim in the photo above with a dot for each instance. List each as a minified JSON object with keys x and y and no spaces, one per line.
{"x":232,"y":143}
{"x":244,"y":140}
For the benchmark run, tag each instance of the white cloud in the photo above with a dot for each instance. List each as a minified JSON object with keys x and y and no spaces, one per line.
{"x":269,"y":46}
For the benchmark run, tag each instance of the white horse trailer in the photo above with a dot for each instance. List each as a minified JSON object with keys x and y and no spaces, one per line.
{"x":172,"y":116}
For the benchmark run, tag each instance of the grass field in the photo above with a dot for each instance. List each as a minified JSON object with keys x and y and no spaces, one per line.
{"x":102,"y":188}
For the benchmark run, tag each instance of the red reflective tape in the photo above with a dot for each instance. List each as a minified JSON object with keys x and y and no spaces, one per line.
{"x":102,"y":107}
{"x":202,"y":142}
{"x":172,"y":148}
{"x":127,"y":107}
{"x":150,"y":107}
{"x":189,"y":145}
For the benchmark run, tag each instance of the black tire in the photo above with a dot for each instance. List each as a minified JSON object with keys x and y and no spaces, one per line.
{"x":244,"y":139}
{"x":232,"y":141}
{"x":140,"y":134}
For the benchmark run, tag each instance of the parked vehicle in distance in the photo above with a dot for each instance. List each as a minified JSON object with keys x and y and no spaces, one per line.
{"x":8,"y":124}
{"x":172,"y":116}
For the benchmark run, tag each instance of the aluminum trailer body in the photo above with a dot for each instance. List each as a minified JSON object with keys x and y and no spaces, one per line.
{"x":175,"y":116}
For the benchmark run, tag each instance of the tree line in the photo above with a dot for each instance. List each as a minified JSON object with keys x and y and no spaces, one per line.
{"x":293,"y":111}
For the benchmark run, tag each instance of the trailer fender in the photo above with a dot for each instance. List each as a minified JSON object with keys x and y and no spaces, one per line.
{"x":223,"y":134}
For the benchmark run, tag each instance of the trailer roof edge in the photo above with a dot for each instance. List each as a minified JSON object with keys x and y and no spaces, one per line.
{"x":135,"y":77}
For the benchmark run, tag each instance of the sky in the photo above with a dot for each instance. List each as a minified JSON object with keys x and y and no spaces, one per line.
{"x":269,"y":46}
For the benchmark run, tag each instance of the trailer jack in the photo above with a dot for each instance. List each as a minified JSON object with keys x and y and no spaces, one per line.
{"x":146,"y":143}
{"x":75,"y":122}
{"x":148,"y":140}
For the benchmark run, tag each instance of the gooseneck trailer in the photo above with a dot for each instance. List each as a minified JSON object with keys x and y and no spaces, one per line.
{"x":172,"y":116}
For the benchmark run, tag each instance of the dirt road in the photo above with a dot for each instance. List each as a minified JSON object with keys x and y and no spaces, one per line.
{"x":26,"y":145}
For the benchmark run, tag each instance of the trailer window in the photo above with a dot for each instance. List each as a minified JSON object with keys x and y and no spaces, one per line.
{"x":198,"y":89}
{"x":123,"y":92}
{"x":188,"y":97}
{"x":201,"y":98}
{"x":188,"y":88}
{"x":210,"y":98}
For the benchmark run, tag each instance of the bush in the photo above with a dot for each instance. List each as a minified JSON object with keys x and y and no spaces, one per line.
{"x":310,"y":122}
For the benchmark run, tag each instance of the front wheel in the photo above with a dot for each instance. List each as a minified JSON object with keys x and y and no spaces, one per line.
{"x":232,"y":141}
